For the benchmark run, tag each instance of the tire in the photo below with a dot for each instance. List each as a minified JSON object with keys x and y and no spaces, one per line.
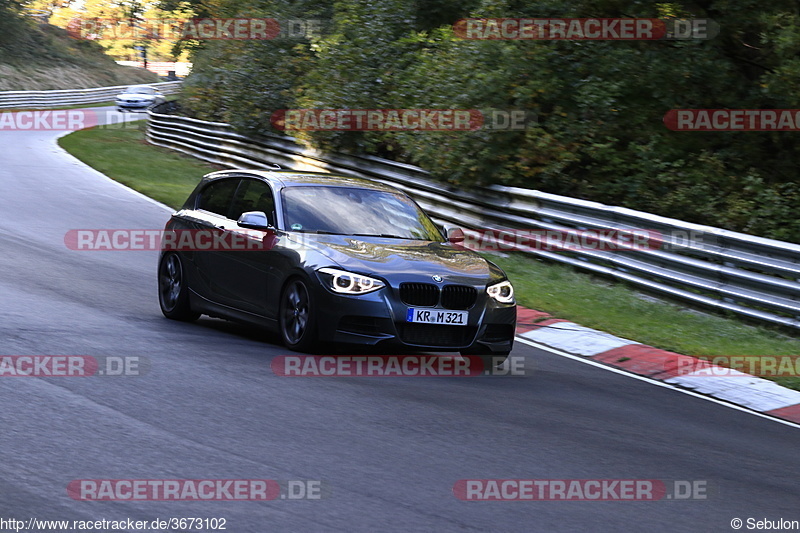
{"x":173,"y":291}
{"x":298,"y":317}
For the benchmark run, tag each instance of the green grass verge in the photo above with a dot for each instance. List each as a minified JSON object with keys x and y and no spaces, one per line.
{"x":615,"y":308}
{"x":169,"y":177}
{"x":124,"y":155}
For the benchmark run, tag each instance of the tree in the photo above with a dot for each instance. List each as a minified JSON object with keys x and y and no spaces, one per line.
{"x":600,"y":104}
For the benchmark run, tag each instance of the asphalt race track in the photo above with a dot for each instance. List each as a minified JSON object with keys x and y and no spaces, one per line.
{"x":388,"y":451}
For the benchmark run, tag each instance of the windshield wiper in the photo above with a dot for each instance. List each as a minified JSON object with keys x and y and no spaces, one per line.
{"x":384,"y":235}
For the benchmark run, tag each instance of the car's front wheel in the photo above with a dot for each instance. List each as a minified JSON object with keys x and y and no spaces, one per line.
{"x":298,"y":323}
{"x":173,"y":291}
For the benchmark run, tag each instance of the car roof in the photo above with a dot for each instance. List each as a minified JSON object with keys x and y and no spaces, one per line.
{"x":280,"y":179}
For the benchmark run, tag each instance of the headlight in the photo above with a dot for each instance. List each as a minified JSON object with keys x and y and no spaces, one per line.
{"x":502,"y":292}
{"x":345,"y":282}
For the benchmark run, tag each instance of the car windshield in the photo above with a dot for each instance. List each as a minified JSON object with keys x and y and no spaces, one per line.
{"x":357,"y":212}
{"x":140,"y":90}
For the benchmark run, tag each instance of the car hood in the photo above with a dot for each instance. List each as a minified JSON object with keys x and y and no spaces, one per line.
{"x":412,"y":260}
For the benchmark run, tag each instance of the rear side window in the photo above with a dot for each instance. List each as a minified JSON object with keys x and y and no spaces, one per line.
{"x":217,"y":197}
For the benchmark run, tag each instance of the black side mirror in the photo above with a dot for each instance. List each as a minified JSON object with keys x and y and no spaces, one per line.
{"x":255,"y":220}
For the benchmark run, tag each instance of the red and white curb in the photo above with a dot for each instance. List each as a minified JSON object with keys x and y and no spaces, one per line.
{"x":751,"y":392}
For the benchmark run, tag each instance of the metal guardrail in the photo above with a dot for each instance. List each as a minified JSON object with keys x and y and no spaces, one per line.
{"x":744,"y":274}
{"x":50,"y":99}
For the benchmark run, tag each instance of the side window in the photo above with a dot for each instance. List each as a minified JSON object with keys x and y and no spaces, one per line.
{"x":254,"y":195}
{"x":217,"y":196}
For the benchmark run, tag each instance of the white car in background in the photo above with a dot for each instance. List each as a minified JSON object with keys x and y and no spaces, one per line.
{"x":138,"y":98}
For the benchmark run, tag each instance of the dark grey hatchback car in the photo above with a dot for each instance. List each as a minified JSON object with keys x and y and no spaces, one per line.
{"x":327,"y":258}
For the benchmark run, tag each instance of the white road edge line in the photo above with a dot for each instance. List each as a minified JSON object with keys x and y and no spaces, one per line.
{"x":582,"y":359}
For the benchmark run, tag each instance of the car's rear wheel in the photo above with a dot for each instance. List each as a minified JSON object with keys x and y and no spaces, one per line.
{"x":298,"y":322}
{"x":173,"y":291}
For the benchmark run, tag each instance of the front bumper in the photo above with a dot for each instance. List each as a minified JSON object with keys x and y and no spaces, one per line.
{"x":134,"y":105}
{"x":379,"y":318}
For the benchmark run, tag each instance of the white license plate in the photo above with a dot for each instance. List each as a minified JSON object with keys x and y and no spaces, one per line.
{"x":437,"y":316}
